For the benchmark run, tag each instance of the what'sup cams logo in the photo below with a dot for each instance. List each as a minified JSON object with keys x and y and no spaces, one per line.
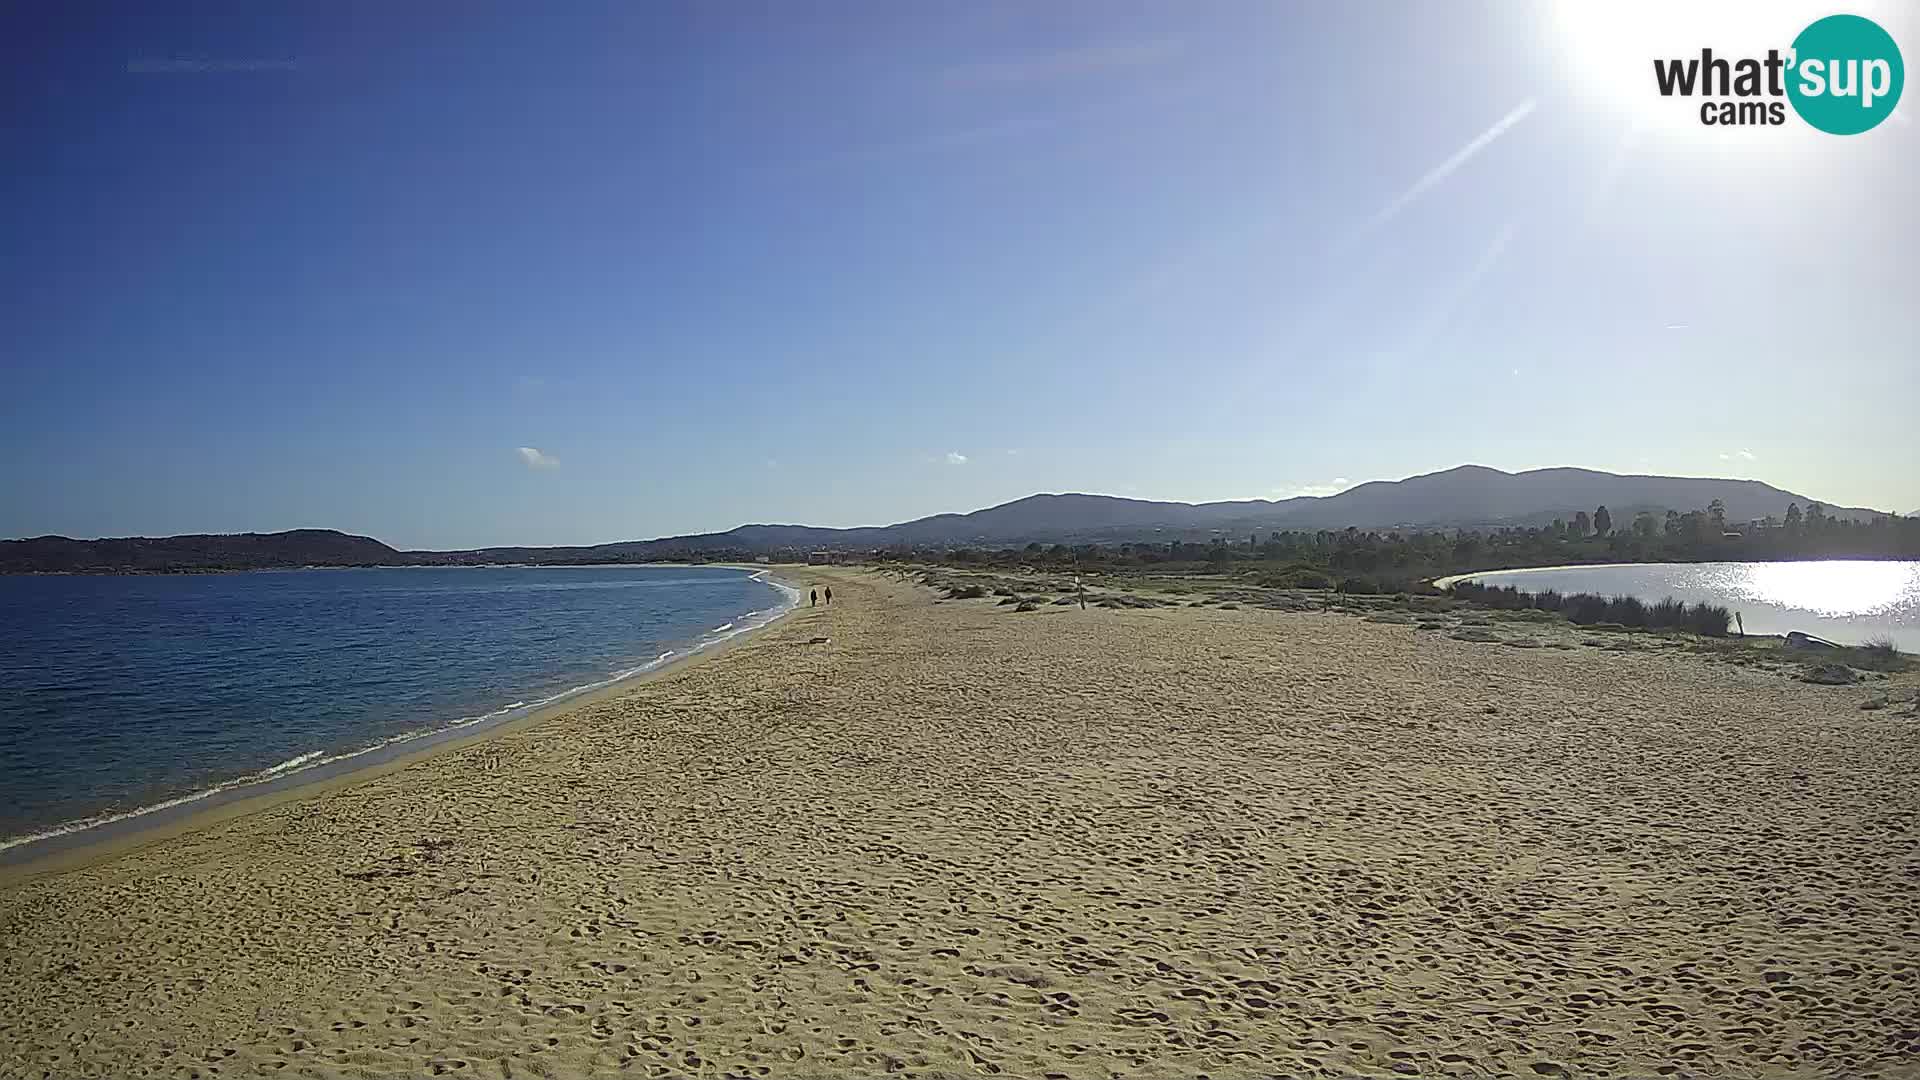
{"x":1843,"y":75}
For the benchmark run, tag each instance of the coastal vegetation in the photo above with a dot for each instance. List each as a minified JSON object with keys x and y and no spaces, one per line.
{"x":1388,"y":561}
{"x":1350,"y":558}
{"x":1467,"y":611}
{"x":1388,"y":575}
{"x":1588,"y":609}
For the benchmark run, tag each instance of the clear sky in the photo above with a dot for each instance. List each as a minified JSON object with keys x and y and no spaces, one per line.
{"x":570,"y":274}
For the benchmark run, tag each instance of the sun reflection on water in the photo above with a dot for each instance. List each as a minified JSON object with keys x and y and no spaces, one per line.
{"x":1833,"y":588}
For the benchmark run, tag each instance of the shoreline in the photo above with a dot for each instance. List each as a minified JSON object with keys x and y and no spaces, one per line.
{"x":1766,"y":618}
{"x":1444,"y":582}
{"x":910,"y":835}
{"x":939,"y":836}
{"x":1447,"y":581}
{"x":78,"y":843}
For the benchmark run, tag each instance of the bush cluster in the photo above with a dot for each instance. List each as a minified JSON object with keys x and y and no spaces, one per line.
{"x":1586,"y":609}
{"x":1296,"y":577}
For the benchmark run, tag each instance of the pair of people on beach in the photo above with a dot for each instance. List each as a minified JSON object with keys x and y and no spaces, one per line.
{"x":813,"y":597}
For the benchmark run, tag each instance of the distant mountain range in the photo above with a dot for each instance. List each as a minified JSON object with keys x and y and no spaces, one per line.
{"x":1468,"y":496}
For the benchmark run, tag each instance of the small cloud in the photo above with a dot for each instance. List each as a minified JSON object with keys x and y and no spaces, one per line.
{"x":1678,"y":325}
{"x":1013,"y":453}
{"x":529,"y":382}
{"x":955,"y":457}
{"x":773,"y":463}
{"x":1319,"y":491}
{"x":535,"y":459}
{"x":1737,"y":455}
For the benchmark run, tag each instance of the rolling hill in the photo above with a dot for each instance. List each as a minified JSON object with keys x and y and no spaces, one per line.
{"x":1467,"y":496}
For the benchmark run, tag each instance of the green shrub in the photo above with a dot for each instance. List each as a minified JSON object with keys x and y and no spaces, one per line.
{"x":1882,"y":648}
{"x":1627,"y":611}
{"x":1880,"y":654}
{"x":1586,"y":608}
{"x":1709,"y":620}
{"x":1304,"y":577}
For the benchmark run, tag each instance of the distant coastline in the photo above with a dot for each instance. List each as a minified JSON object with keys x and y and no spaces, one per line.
{"x":728,"y":564}
{"x":1469,"y":498}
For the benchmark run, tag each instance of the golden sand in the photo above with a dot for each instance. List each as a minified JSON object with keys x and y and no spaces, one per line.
{"x":956,"y":841}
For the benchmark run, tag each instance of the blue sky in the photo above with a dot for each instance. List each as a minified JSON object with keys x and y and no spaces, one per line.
{"x":582,"y":273}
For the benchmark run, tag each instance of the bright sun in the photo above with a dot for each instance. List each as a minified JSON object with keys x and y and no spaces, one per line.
{"x":1608,"y":47}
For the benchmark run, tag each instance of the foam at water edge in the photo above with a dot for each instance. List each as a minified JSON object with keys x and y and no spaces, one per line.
{"x":314,"y":759}
{"x":290,"y":763}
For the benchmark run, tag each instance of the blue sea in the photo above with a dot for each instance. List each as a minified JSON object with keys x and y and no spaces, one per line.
{"x":122,"y":695}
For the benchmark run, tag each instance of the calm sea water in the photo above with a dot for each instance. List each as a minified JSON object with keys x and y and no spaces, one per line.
{"x":1841,"y":600}
{"x":118,"y":693}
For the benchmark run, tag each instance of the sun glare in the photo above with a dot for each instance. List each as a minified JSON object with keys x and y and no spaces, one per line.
{"x":1607,"y":51}
{"x":1832,"y":588}
{"x":1609,"y":48}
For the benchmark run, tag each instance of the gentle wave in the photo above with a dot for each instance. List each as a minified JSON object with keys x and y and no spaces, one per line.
{"x":291,"y":763}
{"x":315,"y":759}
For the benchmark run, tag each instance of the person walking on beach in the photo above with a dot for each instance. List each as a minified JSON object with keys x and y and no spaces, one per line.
{"x":813,"y":597}
{"x":829,"y":596}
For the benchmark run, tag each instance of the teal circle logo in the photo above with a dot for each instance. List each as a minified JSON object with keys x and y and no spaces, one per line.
{"x":1847,"y":75}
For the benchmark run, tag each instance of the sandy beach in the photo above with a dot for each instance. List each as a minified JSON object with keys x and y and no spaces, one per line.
{"x":955,"y":840}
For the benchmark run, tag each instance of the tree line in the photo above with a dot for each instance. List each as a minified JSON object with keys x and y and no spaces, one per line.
{"x":1393,"y":556}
